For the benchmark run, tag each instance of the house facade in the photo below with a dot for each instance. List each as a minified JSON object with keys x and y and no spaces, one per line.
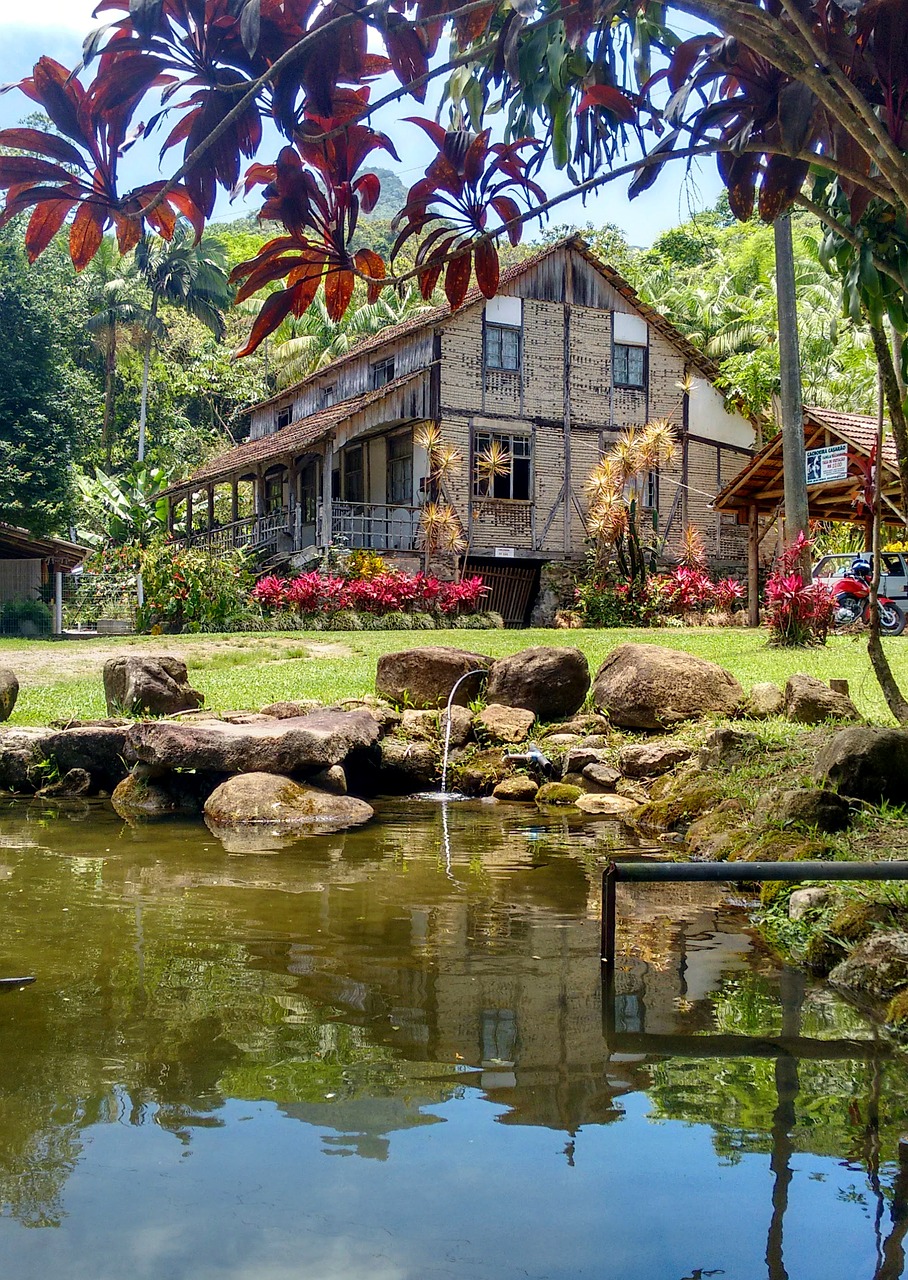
{"x":553,"y":368}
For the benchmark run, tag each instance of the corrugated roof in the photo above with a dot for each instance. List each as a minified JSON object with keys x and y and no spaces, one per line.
{"x":762,"y":475}
{"x":437,"y":315}
{"x":292,"y":439}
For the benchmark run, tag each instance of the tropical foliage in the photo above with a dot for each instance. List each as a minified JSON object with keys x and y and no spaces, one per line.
{"x":798,"y":612}
{"x":381,"y":593}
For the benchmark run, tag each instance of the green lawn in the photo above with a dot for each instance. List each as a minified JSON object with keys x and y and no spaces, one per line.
{"x":63,"y":679}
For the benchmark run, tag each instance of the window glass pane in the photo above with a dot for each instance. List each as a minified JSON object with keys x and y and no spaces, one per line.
{"x":502,"y":347}
{"x":635,"y":366}
{"x":630,"y":366}
{"x":521,"y":488}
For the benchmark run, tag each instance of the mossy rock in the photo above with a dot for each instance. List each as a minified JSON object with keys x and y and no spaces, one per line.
{"x":897,"y":1015}
{"x":823,"y":953}
{"x":689,"y":800}
{"x":558,"y":793}
{"x":477,"y":772}
{"x":710,"y":836}
{"x":857,"y":919}
{"x":773,"y":892}
{"x":777,"y":846}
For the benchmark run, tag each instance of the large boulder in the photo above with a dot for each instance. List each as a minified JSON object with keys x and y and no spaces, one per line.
{"x":505,"y":724}
{"x":424,"y":678}
{"x":21,"y":752}
{"x":805,"y":807}
{"x":548,"y":680}
{"x":878,"y":968}
{"x":98,"y":748}
{"x":866,"y":763}
{"x":407,"y":766}
{"x":650,"y":759}
{"x":141,"y":685}
{"x":810,"y":701}
{"x":141,"y":797}
{"x":518,"y":789}
{"x":9,"y":692}
{"x":644,"y":686}
{"x":269,"y":799}
{"x":764,"y":700}
{"x":298,"y":745}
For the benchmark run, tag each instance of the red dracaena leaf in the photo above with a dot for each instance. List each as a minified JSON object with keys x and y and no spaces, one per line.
{"x":44,"y":224}
{"x":371,"y":264}
{"x":606,"y":95}
{"x":129,"y":232}
{"x":435,"y":131}
{"x":276,"y":308}
{"x":123,"y":80}
{"x":781,"y":182}
{"x":339,"y":284}
{"x":685,"y":57}
{"x":368,"y":188}
{"x":486,"y":258}
{"x":47,"y":144}
{"x":60,"y":96}
{"x":407,"y":52}
{"x":18,"y":170}
{"x":470,"y":26}
{"x":507,"y":209}
{"x":86,"y":234}
{"x":739,"y":173}
{"x":264,"y":273}
{"x":475,"y":159}
{"x":457,"y":279}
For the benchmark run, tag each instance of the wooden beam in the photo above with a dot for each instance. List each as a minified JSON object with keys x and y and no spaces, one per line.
{"x":753,"y":566}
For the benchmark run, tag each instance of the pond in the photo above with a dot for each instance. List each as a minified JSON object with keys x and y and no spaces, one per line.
{"x":388,"y":1054}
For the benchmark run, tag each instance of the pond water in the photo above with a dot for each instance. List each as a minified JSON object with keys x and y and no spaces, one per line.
{"x":388,"y":1054}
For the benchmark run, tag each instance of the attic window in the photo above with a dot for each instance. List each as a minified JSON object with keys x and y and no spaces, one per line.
{"x":629,"y":366}
{"x":383,"y":372}
{"x":329,"y":395}
{"x":283,"y":417}
{"x":502,"y":348}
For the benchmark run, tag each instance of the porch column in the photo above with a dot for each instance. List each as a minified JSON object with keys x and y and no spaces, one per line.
{"x":258,"y":495}
{"x":58,"y":602}
{"x":210,"y":492}
{"x":234,"y":500}
{"x":169,"y":517}
{"x":753,"y":566}
{"x":327,"y":491}
{"x":189,"y":517}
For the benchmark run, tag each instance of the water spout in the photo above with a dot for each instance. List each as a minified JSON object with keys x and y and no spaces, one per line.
{"x":480,"y":671}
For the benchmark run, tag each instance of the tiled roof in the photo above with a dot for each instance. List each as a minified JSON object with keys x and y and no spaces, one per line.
{"x":435,"y":315}
{"x":19,"y":544}
{"x":292,"y":439}
{"x":764,"y":470}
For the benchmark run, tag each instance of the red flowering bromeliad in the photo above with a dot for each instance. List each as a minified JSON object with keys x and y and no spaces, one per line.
{"x":797,"y":612}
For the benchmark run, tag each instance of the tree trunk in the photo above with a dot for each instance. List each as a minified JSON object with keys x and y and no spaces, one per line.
{"x":143,"y":408}
{"x":897,"y":418}
{"x":793,"y":458}
{"x":895,"y":700}
{"x":110,"y":387}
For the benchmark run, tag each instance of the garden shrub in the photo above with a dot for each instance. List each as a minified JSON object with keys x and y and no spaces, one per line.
{"x":189,"y":589}
{"x":387,"y":593}
{"x":798,"y":613}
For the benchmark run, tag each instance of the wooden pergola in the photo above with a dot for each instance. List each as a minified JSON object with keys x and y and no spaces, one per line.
{"x":756,"y":494}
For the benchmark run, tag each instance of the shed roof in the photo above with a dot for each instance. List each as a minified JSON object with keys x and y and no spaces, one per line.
{"x":19,"y":544}
{"x":760,"y":482}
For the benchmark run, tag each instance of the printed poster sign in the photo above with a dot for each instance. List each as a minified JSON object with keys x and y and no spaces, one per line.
{"x":827,"y":464}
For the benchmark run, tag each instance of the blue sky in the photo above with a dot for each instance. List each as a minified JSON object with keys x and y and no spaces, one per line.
{"x":57,"y":27}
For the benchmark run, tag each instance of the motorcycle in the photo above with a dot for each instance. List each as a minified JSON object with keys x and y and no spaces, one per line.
{"x":852,"y":602}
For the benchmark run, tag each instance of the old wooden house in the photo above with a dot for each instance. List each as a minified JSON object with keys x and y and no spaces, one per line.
{"x":553,"y":368}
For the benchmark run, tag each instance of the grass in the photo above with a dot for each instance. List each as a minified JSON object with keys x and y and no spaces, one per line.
{"x":62,"y":680}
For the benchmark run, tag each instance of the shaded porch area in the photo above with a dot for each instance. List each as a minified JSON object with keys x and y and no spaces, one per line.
{"x":839,"y":450}
{"x":351,"y":476}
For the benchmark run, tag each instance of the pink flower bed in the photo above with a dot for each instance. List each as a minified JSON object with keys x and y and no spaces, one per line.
{"x":387,"y":592}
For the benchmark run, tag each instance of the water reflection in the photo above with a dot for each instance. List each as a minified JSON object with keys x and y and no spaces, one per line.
{"x":422,"y":998}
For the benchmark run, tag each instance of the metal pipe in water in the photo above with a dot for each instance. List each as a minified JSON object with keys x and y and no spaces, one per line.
{"x":480,"y":671}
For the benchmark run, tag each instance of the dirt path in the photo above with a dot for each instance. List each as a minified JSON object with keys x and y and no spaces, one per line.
{"x":56,"y":662}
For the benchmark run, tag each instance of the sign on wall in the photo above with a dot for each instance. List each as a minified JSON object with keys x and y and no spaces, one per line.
{"x":827,"y":464}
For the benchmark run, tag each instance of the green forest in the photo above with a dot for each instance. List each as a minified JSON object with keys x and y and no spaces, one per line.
{"x":74,"y":347}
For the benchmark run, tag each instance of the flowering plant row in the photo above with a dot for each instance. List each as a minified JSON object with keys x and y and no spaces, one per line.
{"x":684,"y":591}
{"x":798,"y":612}
{"x":387,"y":592}
{"x":687,"y":590}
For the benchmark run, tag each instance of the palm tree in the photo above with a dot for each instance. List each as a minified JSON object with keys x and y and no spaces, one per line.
{"x":314,"y":340}
{"x":183,"y":274}
{"x":115,"y":311}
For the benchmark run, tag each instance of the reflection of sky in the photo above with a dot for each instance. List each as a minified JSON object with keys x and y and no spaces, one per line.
{"x":258,"y":1200}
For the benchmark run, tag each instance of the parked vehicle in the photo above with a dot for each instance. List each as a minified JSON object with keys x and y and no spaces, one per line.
{"x":852,"y":594}
{"x":893,"y":573}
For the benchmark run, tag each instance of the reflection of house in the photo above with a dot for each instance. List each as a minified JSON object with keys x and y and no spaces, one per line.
{"x":552,"y":369}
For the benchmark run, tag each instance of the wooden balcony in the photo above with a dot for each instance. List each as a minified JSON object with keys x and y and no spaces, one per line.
{"x":373,"y":526}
